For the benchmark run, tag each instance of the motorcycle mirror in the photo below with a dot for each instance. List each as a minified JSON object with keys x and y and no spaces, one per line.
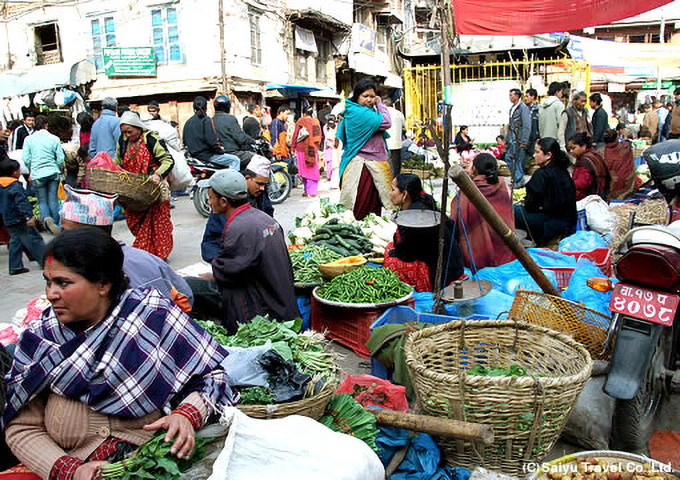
{"x":600,"y":284}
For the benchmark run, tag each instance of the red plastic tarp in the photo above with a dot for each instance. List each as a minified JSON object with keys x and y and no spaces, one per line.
{"x":533,"y":17}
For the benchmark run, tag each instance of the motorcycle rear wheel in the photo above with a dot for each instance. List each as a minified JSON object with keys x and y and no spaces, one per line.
{"x":201,"y":203}
{"x":633,"y":420}
{"x":279,"y":186}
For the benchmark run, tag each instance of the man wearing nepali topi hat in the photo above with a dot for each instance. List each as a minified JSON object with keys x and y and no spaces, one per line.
{"x":85,"y":208}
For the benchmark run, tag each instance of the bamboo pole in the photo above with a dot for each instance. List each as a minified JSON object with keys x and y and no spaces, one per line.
{"x":443,"y":427}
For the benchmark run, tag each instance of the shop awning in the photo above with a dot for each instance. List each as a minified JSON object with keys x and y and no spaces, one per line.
{"x":530,"y":17}
{"x":146,"y":87}
{"x":46,"y":77}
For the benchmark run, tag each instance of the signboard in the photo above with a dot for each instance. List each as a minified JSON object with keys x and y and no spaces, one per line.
{"x":666,"y":85}
{"x":616,"y":87}
{"x":363,"y":39}
{"x":130,"y":62}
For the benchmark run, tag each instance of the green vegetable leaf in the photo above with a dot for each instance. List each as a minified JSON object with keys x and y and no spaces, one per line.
{"x":168,"y":465}
{"x":283,"y":349}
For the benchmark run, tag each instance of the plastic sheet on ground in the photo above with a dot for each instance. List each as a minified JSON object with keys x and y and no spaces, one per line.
{"x":243,"y":367}
{"x":582,"y":241}
{"x":513,"y":276}
{"x":579,"y":291}
{"x":422,"y":461}
{"x":266,"y":449}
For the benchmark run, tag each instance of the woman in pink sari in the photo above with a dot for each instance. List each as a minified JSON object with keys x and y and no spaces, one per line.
{"x":306,"y":148}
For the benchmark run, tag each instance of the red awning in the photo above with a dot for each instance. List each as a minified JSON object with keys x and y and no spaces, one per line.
{"x":532,"y":17}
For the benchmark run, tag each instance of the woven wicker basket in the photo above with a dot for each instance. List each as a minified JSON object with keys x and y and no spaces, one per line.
{"x":421,"y":172}
{"x":312,"y":407}
{"x":527,"y":413}
{"x":135,"y":192}
{"x":587,"y":327}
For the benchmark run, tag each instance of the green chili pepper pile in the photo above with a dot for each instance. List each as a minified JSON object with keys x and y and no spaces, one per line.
{"x":365,"y":285}
{"x":306,"y":261}
{"x":154,"y":460}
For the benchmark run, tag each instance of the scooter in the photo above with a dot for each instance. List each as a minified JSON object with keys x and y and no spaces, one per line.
{"x":644,"y":332}
{"x":278,"y":187}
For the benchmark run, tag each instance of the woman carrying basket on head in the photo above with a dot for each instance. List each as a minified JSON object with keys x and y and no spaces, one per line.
{"x":365,"y":176}
{"x":142,"y":151}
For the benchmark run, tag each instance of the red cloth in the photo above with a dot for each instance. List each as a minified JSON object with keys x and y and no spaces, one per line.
{"x":414,"y":273}
{"x":18,"y":473}
{"x":84,"y":137}
{"x":591,"y":176}
{"x":488,"y":248}
{"x":531,"y":17}
{"x":618,"y":157}
{"x":368,"y":198}
{"x":152,"y":229}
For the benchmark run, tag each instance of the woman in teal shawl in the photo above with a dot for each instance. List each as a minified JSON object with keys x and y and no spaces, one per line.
{"x":365,"y":177}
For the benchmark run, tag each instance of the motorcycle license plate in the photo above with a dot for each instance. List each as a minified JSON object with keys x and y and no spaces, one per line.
{"x":643,"y":304}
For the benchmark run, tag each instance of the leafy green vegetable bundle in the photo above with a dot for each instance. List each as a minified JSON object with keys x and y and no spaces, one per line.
{"x":365,"y":285}
{"x":306,"y":349}
{"x":346,"y":415}
{"x":306,"y":261}
{"x":498,"y":371}
{"x":154,"y":460}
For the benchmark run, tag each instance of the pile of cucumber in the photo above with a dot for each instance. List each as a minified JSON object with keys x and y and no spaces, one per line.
{"x":344,"y":239}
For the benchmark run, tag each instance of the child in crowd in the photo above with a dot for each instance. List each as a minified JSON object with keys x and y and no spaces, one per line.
{"x":17,"y":214}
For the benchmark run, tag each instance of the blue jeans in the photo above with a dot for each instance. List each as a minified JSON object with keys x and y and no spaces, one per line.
{"x":46,"y":189}
{"x":516,"y":165}
{"x":23,"y":236}
{"x":227,"y":160}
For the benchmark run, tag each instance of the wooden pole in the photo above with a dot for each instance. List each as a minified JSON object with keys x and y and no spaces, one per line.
{"x":471,"y":191}
{"x":223,"y":64}
{"x":443,"y":427}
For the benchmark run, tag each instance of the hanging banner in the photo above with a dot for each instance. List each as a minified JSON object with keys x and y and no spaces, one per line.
{"x":533,"y":17}
{"x":130,"y":62}
{"x":304,"y":40}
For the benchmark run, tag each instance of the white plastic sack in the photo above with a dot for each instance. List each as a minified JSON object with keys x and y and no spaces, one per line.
{"x":291,"y":448}
{"x":598,"y":216}
{"x":180,"y":177}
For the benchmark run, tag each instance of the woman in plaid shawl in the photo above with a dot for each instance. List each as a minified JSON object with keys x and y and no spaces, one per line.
{"x":96,"y":375}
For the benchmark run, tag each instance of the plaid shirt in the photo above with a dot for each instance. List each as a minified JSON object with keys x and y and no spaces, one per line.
{"x":143,"y":356}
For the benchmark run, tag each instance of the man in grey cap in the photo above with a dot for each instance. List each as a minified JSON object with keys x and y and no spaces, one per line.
{"x":252,"y":269}
{"x":106,"y":130}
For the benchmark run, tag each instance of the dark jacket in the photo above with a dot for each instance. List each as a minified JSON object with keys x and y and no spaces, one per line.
{"x":15,"y":208}
{"x":251,"y":127}
{"x":212,"y":236}
{"x":551,"y":191}
{"x":600,"y":124}
{"x":21,"y":133}
{"x":200,"y":138}
{"x":253,"y":270}
{"x":462,"y":145}
{"x":232,"y":138}
{"x":411,"y":244}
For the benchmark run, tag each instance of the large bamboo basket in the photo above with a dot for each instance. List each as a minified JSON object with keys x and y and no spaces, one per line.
{"x":527,"y":413}
{"x":135,"y":192}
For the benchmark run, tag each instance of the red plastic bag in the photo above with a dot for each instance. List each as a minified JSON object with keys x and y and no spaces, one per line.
{"x":372,"y":391}
{"x":103,"y":161}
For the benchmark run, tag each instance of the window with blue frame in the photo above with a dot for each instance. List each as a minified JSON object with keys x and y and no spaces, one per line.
{"x":165,"y":35}
{"x":103,"y":35}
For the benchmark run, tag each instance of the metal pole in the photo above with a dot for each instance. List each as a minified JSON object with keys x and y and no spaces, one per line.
{"x":476,"y":197}
{"x":658,"y":67}
{"x":443,"y":150}
{"x":223,"y":64}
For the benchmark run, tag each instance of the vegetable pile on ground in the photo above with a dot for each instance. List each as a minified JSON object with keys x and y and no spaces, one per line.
{"x":306,"y":261}
{"x":344,"y":239}
{"x":300,"y":358}
{"x":346,"y":415}
{"x":154,"y":460}
{"x":417,"y":163}
{"x":368,"y":236}
{"x":365,"y":285}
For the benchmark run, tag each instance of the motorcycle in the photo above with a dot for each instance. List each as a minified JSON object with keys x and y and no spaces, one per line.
{"x":645,"y":328}
{"x":278,"y":187}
